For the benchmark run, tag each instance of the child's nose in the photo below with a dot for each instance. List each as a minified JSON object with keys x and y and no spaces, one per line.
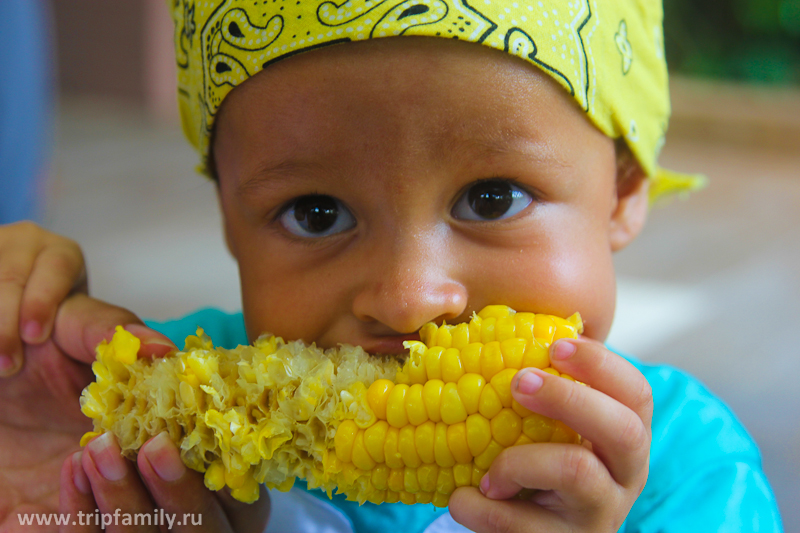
{"x":409,"y":287}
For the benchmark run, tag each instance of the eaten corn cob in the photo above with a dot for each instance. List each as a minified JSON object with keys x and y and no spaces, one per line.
{"x":373,"y":428}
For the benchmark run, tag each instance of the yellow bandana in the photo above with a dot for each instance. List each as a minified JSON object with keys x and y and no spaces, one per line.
{"x":608,"y":54}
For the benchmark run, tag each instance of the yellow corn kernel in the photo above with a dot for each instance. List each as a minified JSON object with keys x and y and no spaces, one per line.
{"x":441,"y":500}
{"x":506,"y":427}
{"x":477,"y":475}
{"x":410,"y":480}
{"x":378,"y":395}
{"x":441,"y":450}
{"x":462,"y":474}
{"x":408,"y":498}
{"x":513,"y":351}
{"x":485,"y":459}
{"x":479,"y":433}
{"x":215,"y":476}
{"x":489,"y":403}
{"x":361,"y":457}
{"x":391,"y":451}
{"x":407,"y":447}
{"x":471,"y":358}
{"x":453,"y":410}
{"x":538,"y":428}
{"x":415,"y":407}
{"x":433,"y":362}
{"x":491,"y":360}
{"x":396,"y":406}
{"x":551,"y":370}
{"x":460,"y":336}
{"x":452,"y":369}
{"x":487,"y":330}
{"x":444,"y":338}
{"x":432,"y":397}
{"x":524,"y":323}
{"x":396,"y":479}
{"x":380,"y":477}
{"x":427,"y":476}
{"x":504,"y":328}
{"x":501,"y":383}
{"x":536,"y":355}
{"x":374,"y":438}
{"x":424,"y":497}
{"x":544,"y":329}
{"x":445,"y":482}
{"x":343,"y":440}
{"x":424,"y":437}
{"x":412,"y":431}
{"x":469,"y":390}
{"x":457,"y":442}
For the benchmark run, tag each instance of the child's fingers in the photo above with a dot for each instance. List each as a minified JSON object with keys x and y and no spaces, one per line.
{"x":246,"y":517}
{"x":618,"y":436}
{"x":116,"y":486}
{"x":471,"y":509}
{"x":58,"y":270}
{"x":75,"y":498}
{"x":592,"y":363}
{"x":82,"y":322}
{"x":573,"y":471}
{"x":15,"y":267}
{"x":182,"y":493}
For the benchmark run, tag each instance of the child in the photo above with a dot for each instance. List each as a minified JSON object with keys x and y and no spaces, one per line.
{"x":374,"y":186}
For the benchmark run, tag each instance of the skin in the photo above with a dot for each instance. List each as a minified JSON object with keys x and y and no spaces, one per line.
{"x":398,"y":131}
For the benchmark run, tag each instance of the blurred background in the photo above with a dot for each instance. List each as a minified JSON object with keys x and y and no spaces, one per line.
{"x":90,"y":147}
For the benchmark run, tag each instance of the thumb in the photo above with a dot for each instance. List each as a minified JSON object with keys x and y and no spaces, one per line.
{"x":83,"y":322}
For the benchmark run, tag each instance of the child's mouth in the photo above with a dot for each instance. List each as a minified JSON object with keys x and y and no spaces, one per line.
{"x":389,"y":345}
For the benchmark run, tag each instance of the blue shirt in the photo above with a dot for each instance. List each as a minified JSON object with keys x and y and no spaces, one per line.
{"x":705,"y":470}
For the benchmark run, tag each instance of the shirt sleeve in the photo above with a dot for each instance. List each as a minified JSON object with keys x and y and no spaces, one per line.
{"x":705,"y":469}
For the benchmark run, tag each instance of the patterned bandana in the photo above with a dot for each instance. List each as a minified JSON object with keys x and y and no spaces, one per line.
{"x":607,"y":54}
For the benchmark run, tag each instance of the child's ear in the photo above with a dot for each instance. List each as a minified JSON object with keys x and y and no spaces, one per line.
{"x":632,"y":203}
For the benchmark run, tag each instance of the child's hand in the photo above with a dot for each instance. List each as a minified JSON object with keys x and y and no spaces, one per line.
{"x":98,"y":478}
{"x":577,"y":488}
{"x":38,"y":269}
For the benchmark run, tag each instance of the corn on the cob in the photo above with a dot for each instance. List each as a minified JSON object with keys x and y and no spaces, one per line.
{"x":373,"y":428}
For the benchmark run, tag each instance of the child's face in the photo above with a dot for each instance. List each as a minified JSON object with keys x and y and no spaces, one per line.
{"x":370,"y":188}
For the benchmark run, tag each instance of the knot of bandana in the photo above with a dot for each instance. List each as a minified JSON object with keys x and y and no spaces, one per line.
{"x":607,"y":54}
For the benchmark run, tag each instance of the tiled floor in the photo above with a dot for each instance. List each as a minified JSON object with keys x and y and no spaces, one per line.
{"x":713,"y":285}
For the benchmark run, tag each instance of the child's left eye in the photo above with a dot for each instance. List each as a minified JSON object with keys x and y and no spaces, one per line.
{"x":316,"y":216}
{"x":491,"y":200}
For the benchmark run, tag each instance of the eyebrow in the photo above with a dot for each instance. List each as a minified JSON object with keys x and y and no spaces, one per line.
{"x":270,"y":176}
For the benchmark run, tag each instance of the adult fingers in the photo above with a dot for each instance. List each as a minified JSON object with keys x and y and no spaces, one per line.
{"x":477,"y":513}
{"x":75,"y":500}
{"x":118,"y":490}
{"x":618,"y":436}
{"x":592,"y":363}
{"x":58,"y":270}
{"x":573,"y":471}
{"x":83,"y":322}
{"x":15,"y":267}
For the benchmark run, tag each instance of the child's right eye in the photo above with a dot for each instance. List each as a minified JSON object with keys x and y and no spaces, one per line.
{"x":316,"y":216}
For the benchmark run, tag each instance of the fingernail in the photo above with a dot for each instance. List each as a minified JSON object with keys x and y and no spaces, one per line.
{"x":106,"y":456}
{"x":484,"y":486}
{"x":7,"y":365}
{"x":79,"y":478}
{"x":529,"y":382}
{"x":32,"y":330}
{"x":164,"y":457}
{"x":563,"y":349}
{"x":159,"y":342}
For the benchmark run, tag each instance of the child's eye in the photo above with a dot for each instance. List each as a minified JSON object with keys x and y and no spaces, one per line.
{"x":316,"y":216}
{"x":491,"y":200}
